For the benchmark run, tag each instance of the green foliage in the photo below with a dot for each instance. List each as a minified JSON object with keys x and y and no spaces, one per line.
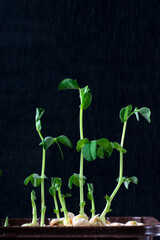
{"x":126,"y":112}
{"x":58,"y":183}
{"x":90,"y":191}
{"x":6,"y":223}
{"x":89,"y":150}
{"x":68,"y":84}
{"x":145,"y":112}
{"x":86,"y":97}
{"x":119,"y":147}
{"x":75,"y":179}
{"x":128,"y":180}
{"x":66,"y":195}
{"x":35,"y":180}
{"x":48,"y":141}
{"x":52,"y":189}
{"x":106,"y":146}
{"x":39,"y":114}
{"x":107,"y":197}
{"x":81,"y":143}
{"x":0,"y":172}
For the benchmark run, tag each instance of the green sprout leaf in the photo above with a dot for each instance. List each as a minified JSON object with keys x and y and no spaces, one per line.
{"x":64,"y":140}
{"x":6,"y":224}
{"x":136,"y":113}
{"x":125,"y":113}
{"x":122,"y":180}
{"x":0,"y":172}
{"x":90,"y":191}
{"x":86,"y":97}
{"x":119,"y":147}
{"x":52,"y":189}
{"x":68,"y":84}
{"x":58,"y":183}
{"x":127,"y":180}
{"x":47,"y":142}
{"x":81,"y":143}
{"x":35,"y":180}
{"x":89,"y":150}
{"x":146,"y":113}
{"x":126,"y":183}
{"x":39,"y":113}
{"x":133,"y":179}
{"x":106,"y":147}
{"x":74,"y":179}
{"x":100,"y":152}
{"x":66,"y":195}
{"x":107,"y":198}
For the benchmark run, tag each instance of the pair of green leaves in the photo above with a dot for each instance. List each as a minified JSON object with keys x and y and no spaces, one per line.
{"x":35,"y":180}
{"x":48,"y":141}
{"x":56,"y":183}
{"x":126,"y":112}
{"x":91,"y":150}
{"x":101,"y":148}
{"x":75,"y":179}
{"x":85,"y":95}
{"x":128,"y":180}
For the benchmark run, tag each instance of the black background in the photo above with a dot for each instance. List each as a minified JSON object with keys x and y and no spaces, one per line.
{"x":111,"y":46}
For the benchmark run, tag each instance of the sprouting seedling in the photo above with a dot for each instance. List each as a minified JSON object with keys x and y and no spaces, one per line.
{"x":91,"y":197}
{"x":6,"y":223}
{"x":46,"y":142}
{"x":34,"y":211}
{"x":85,"y":100}
{"x":88,"y":149}
{"x":125,"y":114}
{"x":52,"y":191}
{"x":58,"y":184}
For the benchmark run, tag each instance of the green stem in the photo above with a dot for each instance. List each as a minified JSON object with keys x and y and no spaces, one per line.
{"x":93,"y":207}
{"x":108,"y":204}
{"x":34,"y":209}
{"x":56,"y":206}
{"x":62,"y":202}
{"x":43,"y":207}
{"x":81,"y":165}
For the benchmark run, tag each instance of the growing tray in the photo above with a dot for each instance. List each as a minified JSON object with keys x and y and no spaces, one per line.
{"x":150,"y":229}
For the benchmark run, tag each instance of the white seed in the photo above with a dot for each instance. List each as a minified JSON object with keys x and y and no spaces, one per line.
{"x":71,"y":215}
{"x":80,"y":220}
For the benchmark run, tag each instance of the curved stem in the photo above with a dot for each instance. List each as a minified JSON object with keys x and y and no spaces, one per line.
{"x":108,"y":204}
{"x":43,"y":207}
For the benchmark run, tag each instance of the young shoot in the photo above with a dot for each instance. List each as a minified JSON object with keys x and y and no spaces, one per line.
{"x":85,"y":101}
{"x":34,"y":211}
{"x":58,"y":184}
{"x":6,"y":223}
{"x":125,"y":114}
{"x":46,"y":142}
{"x":91,"y":198}
{"x":88,"y":149}
{"x":52,"y":191}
